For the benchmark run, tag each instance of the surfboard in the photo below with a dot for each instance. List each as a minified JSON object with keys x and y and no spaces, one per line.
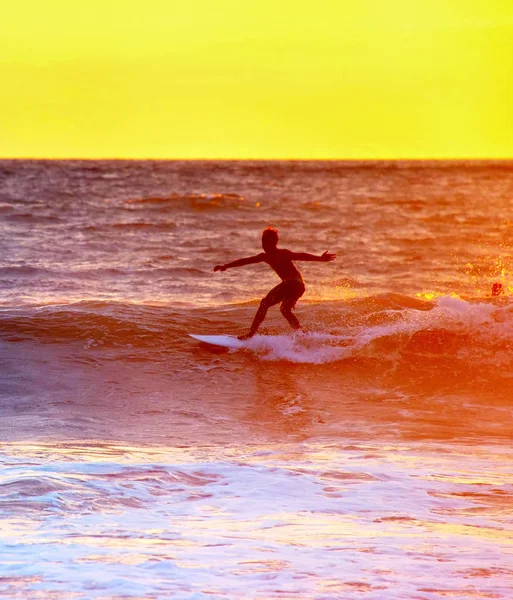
{"x":227,"y":341}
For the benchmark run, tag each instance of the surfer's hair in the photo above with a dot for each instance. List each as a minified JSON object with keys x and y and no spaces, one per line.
{"x":270,"y":236}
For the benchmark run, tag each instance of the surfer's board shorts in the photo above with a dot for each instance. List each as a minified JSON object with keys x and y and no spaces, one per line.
{"x":287,"y":292}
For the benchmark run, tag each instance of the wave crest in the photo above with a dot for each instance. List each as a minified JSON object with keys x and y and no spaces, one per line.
{"x":450,"y":335}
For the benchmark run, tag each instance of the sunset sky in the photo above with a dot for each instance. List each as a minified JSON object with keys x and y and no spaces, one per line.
{"x":268,"y":79}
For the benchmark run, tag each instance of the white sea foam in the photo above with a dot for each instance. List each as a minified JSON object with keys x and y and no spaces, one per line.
{"x":313,"y":348}
{"x":482,"y":325}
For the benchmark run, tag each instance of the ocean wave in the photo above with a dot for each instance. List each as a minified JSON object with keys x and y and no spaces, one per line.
{"x":449,"y":335}
{"x":196,"y":201}
{"x":21,"y":271}
{"x":450,"y":330}
{"x":85,"y":491}
{"x":129,"y":226}
{"x":16,"y":273}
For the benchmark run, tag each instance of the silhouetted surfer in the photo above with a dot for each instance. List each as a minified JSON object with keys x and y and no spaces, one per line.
{"x":497,"y":289}
{"x":292,"y":286}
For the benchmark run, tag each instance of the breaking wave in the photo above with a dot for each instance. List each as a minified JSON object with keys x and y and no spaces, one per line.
{"x":450,"y":335}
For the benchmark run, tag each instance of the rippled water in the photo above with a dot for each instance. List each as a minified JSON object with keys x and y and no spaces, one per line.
{"x":369,"y":457}
{"x":284,"y":520}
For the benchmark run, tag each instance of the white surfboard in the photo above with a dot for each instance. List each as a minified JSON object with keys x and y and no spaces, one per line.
{"x":227,"y":341}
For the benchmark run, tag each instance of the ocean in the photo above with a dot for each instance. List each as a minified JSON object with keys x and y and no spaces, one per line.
{"x":368,"y":457}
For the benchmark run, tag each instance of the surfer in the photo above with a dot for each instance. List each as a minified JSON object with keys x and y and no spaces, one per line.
{"x":497,"y":289}
{"x":292,"y":286}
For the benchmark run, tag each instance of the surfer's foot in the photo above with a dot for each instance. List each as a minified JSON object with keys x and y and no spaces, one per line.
{"x":245,"y":336}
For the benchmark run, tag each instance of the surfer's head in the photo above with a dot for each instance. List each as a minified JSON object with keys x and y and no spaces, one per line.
{"x":269,"y":239}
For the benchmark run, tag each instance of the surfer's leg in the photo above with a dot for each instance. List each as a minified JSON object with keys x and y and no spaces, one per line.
{"x":293,"y":292}
{"x":286,"y":311}
{"x":273,"y":297}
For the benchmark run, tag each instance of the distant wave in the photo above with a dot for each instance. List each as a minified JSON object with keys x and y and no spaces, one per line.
{"x":198,"y":201}
{"x":21,"y":271}
{"x":23,"y":217}
{"x":127,"y":226}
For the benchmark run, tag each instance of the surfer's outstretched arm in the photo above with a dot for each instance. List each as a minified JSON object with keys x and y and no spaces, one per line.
{"x":241,"y":262}
{"x":326,"y":257}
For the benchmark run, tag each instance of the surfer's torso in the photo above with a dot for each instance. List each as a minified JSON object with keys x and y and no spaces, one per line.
{"x":281,"y":262}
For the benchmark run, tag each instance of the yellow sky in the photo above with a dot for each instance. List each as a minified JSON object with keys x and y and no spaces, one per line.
{"x":266,"y":79}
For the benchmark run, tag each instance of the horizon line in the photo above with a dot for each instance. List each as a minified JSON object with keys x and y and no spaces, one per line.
{"x":260,"y":159}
